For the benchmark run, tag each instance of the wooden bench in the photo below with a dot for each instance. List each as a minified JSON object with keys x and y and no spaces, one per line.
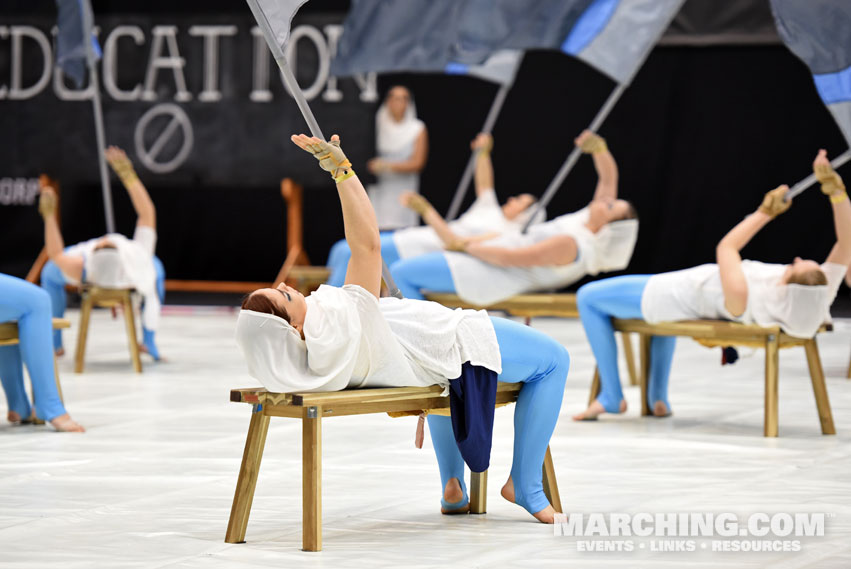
{"x":311,"y":408}
{"x":528,"y":306}
{"x":712,"y":333}
{"x":107,"y":297}
{"x":9,"y":337}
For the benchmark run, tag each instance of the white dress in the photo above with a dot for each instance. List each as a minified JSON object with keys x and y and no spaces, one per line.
{"x":395,"y":143}
{"x":137,"y":268}
{"x":696,"y":293}
{"x":609,"y":249}
{"x":353,"y":339}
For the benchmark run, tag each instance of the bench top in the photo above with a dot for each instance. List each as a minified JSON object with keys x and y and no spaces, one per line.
{"x":9,"y":330}
{"x":562,"y":304}
{"x":358,"y":401}
{"x":720,"y":330}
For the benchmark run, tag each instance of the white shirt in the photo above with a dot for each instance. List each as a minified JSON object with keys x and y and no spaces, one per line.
{"x":137,"y":263}
{"x":482,"y":283}
{"x":484,"y":216}
{"x":351,"y":339}
{"x":696,"y":293}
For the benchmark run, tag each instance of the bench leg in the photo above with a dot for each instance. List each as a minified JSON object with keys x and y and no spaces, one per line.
{"x":85,"y":316}
{"x":247,"y":481}
{"x":130,"y":321}
{"x":550,"y":484}
{"x":479,"y":492}
{"x":630,"y":358}
{"x":819,"y":387}
{"x":595,"y":386}
{"x":311,"y":458}
{"x":772,"y":363}
{"x":56,"y":376}
{"x":643,"y":380}
{"x":848,"y":374}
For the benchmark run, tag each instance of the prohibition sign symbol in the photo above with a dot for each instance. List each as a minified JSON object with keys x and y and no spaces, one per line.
{"x":150,"y":156}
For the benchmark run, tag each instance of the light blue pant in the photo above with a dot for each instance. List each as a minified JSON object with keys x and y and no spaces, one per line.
{"x":533,"y":358}
{"x":338,"y":258}
{"x":30,"y":306}
{"x":425,"y":272}
{"x":620,"y":297}
{"x":53,"y":281}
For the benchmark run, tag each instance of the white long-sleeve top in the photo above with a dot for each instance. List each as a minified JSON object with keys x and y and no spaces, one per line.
{"x":351,"y":339}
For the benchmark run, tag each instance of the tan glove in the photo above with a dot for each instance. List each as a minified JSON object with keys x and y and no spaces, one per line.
{"x":330,"y":155}
{"x":774,"y":202}
{"x":831,"y":182}
{"x":593,"y":143}
{"x":121,"y":165}
{"x":459,"y":245}
{"x":419,"y":204}
{"x":483,"y":143}
{"x":47,"y":203}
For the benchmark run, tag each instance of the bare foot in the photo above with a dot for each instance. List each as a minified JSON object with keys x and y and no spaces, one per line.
{"x":13,"y":417}
{"x":661,"y":410}
{"x":544,"y":516}
{"x":595,"y":410}
{"x":452,"y":494}
{"x":65,"y":424}
{"x":59,"y":352}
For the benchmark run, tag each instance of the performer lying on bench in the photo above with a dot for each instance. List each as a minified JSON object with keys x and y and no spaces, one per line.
{"x":347,"y":337}
{"x":797,"y":297}
{"x":111,"y":261}
{"x":550,"y":256}
{"x":484,"y":218}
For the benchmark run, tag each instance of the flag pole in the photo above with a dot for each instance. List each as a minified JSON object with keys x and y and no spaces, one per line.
{"x":464,"y":184}
{"x":105,"y":186}
{"x":97,"y":107}
{"x":304,"y":107}
{"x":811,"y":179}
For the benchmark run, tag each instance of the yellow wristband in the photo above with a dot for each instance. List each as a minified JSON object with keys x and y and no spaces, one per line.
{"x":838,"y":198}
{"x":348,"y":173}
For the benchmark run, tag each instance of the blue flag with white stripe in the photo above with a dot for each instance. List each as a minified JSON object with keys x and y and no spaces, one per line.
{"x":819,"y":33}
{"x":615,"y":36}
{"x":76,"y":45}
{"x":482,"y":38}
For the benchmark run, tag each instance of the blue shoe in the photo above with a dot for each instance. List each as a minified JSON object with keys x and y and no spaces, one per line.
{"x":150,"y":345}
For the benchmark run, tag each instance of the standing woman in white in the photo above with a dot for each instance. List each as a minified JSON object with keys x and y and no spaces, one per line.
{"x":402,"y":144}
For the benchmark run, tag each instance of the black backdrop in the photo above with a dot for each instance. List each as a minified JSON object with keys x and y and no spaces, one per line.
{"x":699,"y":137}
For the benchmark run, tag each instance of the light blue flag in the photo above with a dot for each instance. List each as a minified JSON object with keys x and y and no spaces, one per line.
{"x":73,"y":52}
{"x":819,"y":32}
{"x":615,"y":36}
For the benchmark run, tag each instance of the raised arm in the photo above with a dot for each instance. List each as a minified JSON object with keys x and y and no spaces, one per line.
{"x":359,"y":222}
{"x":727,"y":254}
{"x":482,"y":146}
{"x":558,"y":250}
{"x":607,"y":169}
{"x":146,"y":213}
{"x":833,"y":187}
{"x":71,"y":266}
{"x":430,"y":216}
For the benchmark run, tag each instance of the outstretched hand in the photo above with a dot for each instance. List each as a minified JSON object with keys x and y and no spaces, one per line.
{"x":589,"y":142}
{"x":47,"y":202}
{"x":774,"y":203}
{"x":482,"y":143}
{"x":831,"y":182}
{"x":330,"y":155}
{"x":120,"y":164}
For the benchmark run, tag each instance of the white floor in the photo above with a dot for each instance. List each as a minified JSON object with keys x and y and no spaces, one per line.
{"x":151,"y":482}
